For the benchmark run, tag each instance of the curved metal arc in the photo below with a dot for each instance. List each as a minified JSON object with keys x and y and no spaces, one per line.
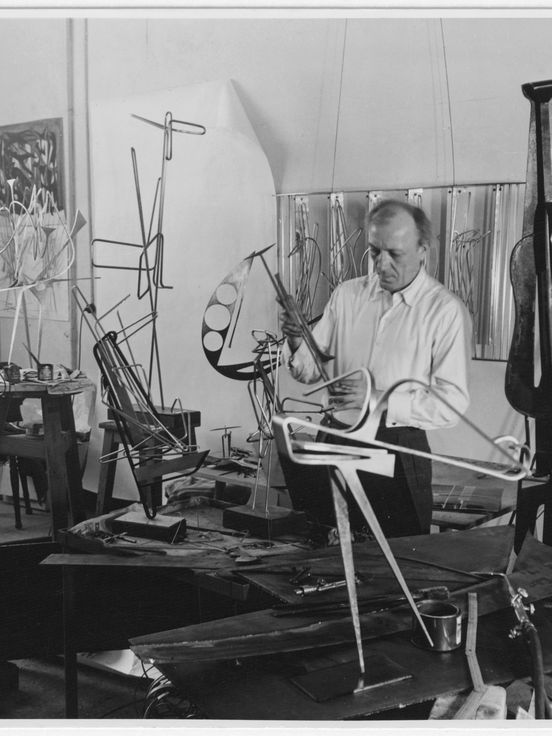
{"x":365,"y":432}
{"x":365,"y":409}
{"x":374,"y":419}
{"x":196,"y":128}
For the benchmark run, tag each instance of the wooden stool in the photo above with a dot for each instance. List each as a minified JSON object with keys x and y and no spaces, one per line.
{"x":180,"y":422}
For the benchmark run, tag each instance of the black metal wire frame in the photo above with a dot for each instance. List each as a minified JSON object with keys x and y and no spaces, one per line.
{"x":149,"y":446}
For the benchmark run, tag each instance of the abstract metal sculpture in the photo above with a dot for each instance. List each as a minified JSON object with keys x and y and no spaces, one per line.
{"x":149,"y":265}
{"x":151,"y":449}
{"x":345,"y":461}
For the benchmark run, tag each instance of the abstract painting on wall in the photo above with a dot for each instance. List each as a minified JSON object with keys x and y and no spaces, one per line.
{"x":31,"y":155}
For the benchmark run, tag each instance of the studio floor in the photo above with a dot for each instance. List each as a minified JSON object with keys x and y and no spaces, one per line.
{"x":35,"y":525}
{"x":40,"y":692}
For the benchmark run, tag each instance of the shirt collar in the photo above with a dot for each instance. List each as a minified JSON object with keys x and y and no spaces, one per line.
{"x":409,"y":294}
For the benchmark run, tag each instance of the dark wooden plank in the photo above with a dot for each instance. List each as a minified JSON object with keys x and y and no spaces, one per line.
{"x":261,"y":689}
{"x":22,"y":446}
{"x":493,"y":545}
{"x":130,"y":559}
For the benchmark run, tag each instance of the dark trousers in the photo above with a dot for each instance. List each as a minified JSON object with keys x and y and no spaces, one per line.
{"x":402,"y":503}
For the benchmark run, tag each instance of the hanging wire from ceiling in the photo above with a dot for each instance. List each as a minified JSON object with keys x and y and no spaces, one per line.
{"x":339,"y":103}
{"x":447,"y":82}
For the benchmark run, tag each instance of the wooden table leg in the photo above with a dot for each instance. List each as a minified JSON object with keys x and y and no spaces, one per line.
{"x":106,"y":480}
{"x":62,"y":461}
{"x":14,"y":481}
{"x":69,"y":653}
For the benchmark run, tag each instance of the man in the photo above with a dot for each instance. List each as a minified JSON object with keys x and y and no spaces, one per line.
{"x":398,"y":323}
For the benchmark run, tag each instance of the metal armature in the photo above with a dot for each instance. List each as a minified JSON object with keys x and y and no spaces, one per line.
{"x":265,"y":398}
{"x":151,"y":449}
{"x":126,"y":393}
{"x":150,"y":261}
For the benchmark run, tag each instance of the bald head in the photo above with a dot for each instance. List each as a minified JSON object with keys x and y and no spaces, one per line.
{"x":398,"y":236}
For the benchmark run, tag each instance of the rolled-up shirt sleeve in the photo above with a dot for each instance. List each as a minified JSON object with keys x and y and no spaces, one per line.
{"x":413,"y":405}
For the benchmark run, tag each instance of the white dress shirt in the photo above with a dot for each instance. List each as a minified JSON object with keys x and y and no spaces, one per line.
{"x":421,"y":332}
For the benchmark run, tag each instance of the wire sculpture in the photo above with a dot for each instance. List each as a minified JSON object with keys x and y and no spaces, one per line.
{"x":462,"y":269}
{"x":264,"y":393}
{"x":150,"y":263}
{"x":305,"y":260}
{"x":341,"y":246}
{"x":36,"y":251}
{"x":151,"y":449}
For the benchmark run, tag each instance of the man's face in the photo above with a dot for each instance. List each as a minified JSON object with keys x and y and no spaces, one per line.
{"x":395,"y":250}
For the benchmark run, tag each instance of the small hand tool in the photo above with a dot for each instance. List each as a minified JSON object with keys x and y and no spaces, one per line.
{"x":321,"y":585}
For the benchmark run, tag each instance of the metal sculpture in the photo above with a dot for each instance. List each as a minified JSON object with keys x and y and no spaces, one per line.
{"x":36,"y":251}
{"x":149,"y":266}
{"x":151,"y":449}
{"x":342,"y":245}
{"x":221,"y":317}
{"x":305,"y":260}
{"x":345,"y":461}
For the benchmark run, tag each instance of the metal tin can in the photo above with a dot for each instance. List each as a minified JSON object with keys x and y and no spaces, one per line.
{"x":443,"y":621}
{"x":45,"y":372}
{"x":12,"y":373}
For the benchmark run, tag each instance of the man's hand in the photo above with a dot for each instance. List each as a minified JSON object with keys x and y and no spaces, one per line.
{"x":349,"y":393}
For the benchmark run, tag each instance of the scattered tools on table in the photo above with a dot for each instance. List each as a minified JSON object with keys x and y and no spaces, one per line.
{"x":371,"y":603}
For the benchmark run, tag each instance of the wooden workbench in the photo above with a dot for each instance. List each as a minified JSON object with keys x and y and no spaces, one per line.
{"x":265,"y":683}
{"x":58,"y":447}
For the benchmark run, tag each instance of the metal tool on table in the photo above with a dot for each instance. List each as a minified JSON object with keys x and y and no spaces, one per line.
{"x":226,"y":438}
{"x":526,"y":628}
{"x":322,"y":585}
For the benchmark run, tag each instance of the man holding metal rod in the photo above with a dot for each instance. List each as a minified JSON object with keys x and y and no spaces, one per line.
{"x":399,"y":323}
